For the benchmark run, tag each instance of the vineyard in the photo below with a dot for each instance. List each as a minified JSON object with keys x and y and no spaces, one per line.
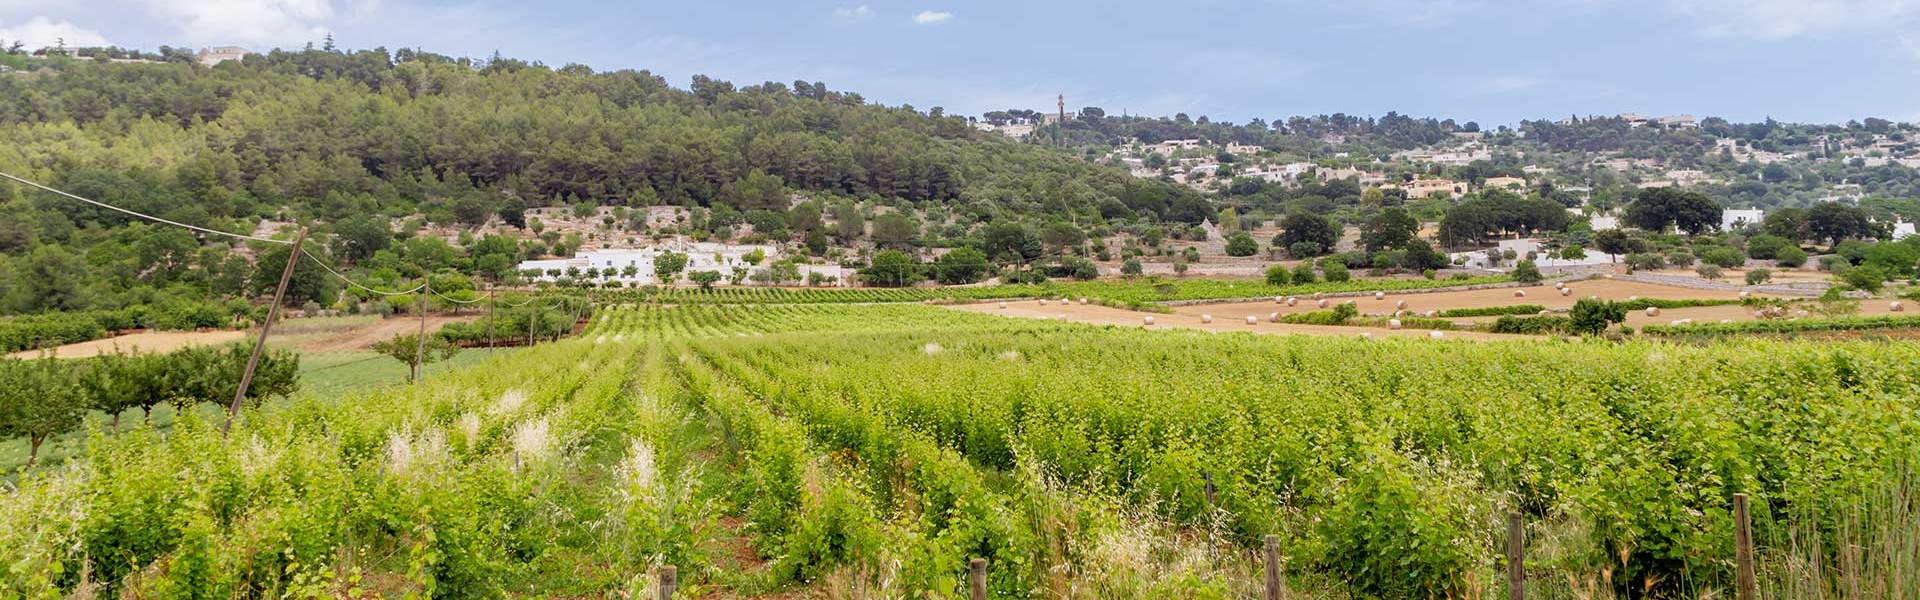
{"x":871,"y":451}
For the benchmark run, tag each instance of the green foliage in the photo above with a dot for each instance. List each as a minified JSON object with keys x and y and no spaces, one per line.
{"x":667,"y":266}
{"x":1759,"y":276}
{"x":409,"y":350}
{"x":1334,"y":271}
{"x":892,"y":268}
{"x":1532,"y":325}
{"x":1791,"y":257}
{"x":1526,"y":272}
{"x":1303,"y":227}
{"x":1896,"y":260}
{"x":1866,"y":278}
{"x":1278,"y":275}
{"x":1708,"y":271}
{"x":705,"y":279}
{"x":1491,"y":311}
{"x":1646,"y":262}
{"x":1723,"y":257}
{"x":1303,"y":273}
{"x":960,"y":266}
{"x":1241,"y":244}
{"x":1592,"y":317}
{"x":1767,"y":247}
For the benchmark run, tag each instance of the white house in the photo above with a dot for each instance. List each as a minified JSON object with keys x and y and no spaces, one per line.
{"x":219,"y":54}
{"x":701,"y":256}
{"x":1902,"y":231}
{"x":1734,"y":218}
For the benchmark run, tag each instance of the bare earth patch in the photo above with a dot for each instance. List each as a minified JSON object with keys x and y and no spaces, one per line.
{"x":144,"y":342}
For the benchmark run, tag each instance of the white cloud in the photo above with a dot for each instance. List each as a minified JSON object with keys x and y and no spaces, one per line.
{"x":259,"y":22}
{"x":928,"y":17}
{"x":857,"y":13}
{"x":41,"y":32}
{"x":1784,"y":19}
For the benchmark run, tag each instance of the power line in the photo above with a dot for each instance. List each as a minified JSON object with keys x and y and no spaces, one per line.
{"x":357,"y":284}
{"x":144,"y":215}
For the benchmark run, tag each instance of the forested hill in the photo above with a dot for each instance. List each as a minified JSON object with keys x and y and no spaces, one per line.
{"x":331,"y":134}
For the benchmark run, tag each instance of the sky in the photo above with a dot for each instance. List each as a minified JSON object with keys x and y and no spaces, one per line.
{"x":1490,"y":61}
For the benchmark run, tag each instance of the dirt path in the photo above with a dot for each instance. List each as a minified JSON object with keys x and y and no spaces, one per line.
{"x":139,"y":343}
{"x":361,"y":338}
{"x":1232,"y":316}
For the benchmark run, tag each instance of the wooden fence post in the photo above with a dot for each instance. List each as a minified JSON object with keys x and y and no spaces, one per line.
{"x":260,"y":344}
{"x":1516,"y":556}
{"x":534,"y":318}
{"x":1276,"y":581}
{"x":977,"y":574}
{"x":669,"y":579}
{"x":420,"y":343}
{"x":1743,"y":549}
{"x":493,"y":316}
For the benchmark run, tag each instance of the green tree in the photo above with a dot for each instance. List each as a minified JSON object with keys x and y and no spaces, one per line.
{"x":1617,"y":243}
{"x":1278,"y":275}
{"x":1791,"y":257}
{"x":1307,"y":227}
{"x":407,"y":347}
{"x":1659,"y":208}
{"x":894,"y":230}
{"x":1334,"y":271}
{"x":1391,"y":228}
{"x":309,"y":283}
{"x":891,"y":268}
{"x":668,"y":265}
{"x":961,"y":266}
{"x":1867,"y":278}
{"x":706,"y":279}
{"x":1838,"y":221}
{"x":1131,"y":267}
{"x":1303,"y":273}
{"x":42,"y":398}
{"x":1241,"y":244}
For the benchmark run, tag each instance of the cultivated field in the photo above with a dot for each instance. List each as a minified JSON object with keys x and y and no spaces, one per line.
{"x":870,"y":451}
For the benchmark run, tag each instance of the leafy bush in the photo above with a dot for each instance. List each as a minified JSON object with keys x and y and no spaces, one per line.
{"x":1768,"y":247}
{"x":1334,"y":271}
{"x":1591,"y":317}
{"x":1279,"y":275}
{"x":1759,"y":276}
{"x":1303,"y":273}
{"x":1680,"y":259}
{"x":1241,"y":244}
{"x":1646,"y":262}
{"x":1708,"y":271}
{"x":1527,"y":272}
{"x":1791,"y":257}
{"x":1532,"y":325}
{"x":1723,"y":257}
{"x":1867,"y":278}
{"x":1492,"y":311}
{"x":1304,"y":250}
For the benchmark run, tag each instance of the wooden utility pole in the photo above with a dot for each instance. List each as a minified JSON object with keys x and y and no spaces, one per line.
{"x":492,"y":316}
{"x":669,"y":579}
{"x":260,"y":344}
{"x":534,"y":318}
{"x":420,"y":343}
{"x":1516,"y":557}
{"x":1743,"y":550}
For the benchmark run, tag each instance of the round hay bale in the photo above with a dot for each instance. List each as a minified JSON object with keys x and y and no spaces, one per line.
{"x":1402,"y":305}
{"x":1438,"y":335}
{"x":1043,"y":301}
{"x":1744,"y":294}
{"x":1393,"y":323}
{"x":1519,"y":293}
{"x":1896,"y":306}
{"x":1633,"y":298}
{"x":1291,"y":300}
{"x":1318,"y":295}
{"x":1206,"y":318}
{"x":1148,"y":319}
{"x":1323,"y":303}
{"x":1566,"y":292}
{"x":1559,"y":285}
{"x":1253,"y":320}
{"x":1653,"y":311}
{"x":1679,"y":322}
{"x":1545,"y":313}
{"x":1273,"y":317}
{"x":1432,"y":314}
{"x":1366,"y":335}
{"x":1379,"y":295}
{"x":1060,"y":317}
{"x":1003,"y":305}
{"x":1279,"y":300}
{"x":1726,"y":320}
{"x":1083,"y":301}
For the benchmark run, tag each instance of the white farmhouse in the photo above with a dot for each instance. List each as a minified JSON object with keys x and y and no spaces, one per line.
{"x":615,"y":264}
{"x":1902,"y":231}
{"x":1734,"y":218}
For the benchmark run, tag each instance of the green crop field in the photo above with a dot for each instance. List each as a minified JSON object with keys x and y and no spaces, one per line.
{"x":871,"y":451}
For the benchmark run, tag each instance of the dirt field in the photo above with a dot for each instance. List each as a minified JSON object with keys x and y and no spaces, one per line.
{"x":361,"y":338}
{"x":141,"y":343}
{"x":307,"y":335}
{"x":1227,"y":320}
{"x":1232,"y":316}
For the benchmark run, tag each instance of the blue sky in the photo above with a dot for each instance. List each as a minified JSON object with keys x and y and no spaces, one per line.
{"x":1492,"y":61}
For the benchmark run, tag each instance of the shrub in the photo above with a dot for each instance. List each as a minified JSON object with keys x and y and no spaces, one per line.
{"x":1304,"y":249}
{"x":1303,"y":273}
{"x":1767,"y":247}
{"x":1527,"y":272}
{"x":1334,"y":271}
{"x":1491,"y":311}
{"x":1591,"y":317}
{"x":1279,"y":275}
{"x":1532,"y":325}
{"x":1759,"y":276}
{"x":1791,"y":257}
{"x":1131,"y":267}
{"x":1707,"y":271}
{"x":1680,"y":259}
{"x":1645,"y":262}
{"x":1895,"y":259}
{"x":1836,"y":264}
{"x":1867,"y":278}
{"x":1723,"y":257}
{"x":1241,"y":244}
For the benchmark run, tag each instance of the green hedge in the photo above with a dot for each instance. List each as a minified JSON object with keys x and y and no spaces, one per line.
{"x":1777,"y":326}
{"x":1494,"y":311}
{"x":1532,"y":325}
